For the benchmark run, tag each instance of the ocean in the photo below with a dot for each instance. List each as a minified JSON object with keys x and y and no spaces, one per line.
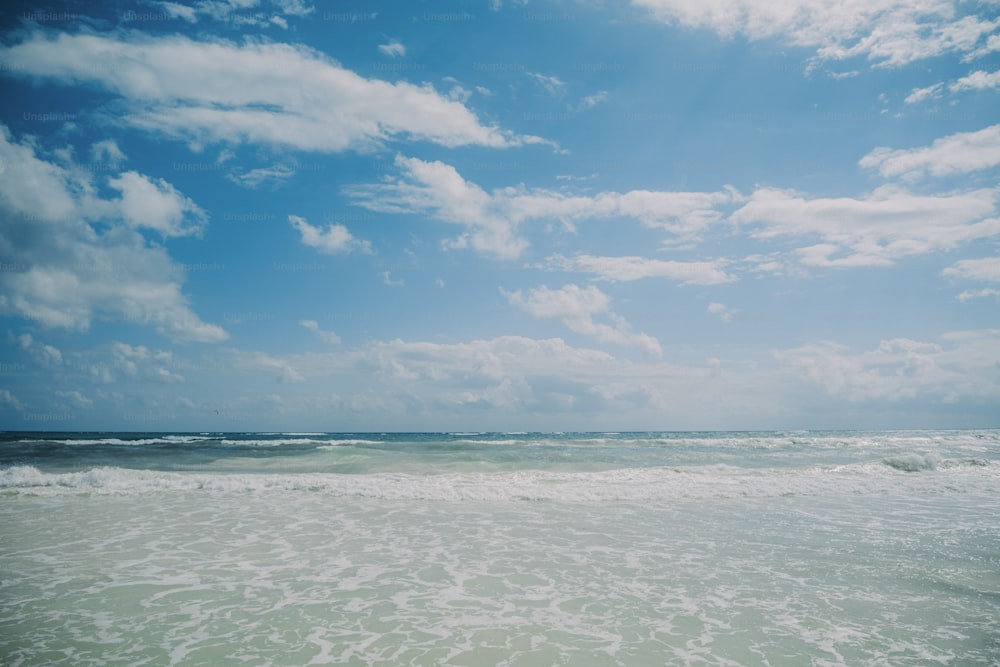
{"x":714,"y":548}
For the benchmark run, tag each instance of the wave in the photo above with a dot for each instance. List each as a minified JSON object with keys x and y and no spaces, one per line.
{"x":162,"y":440}
{"x":628,"y":484}
{"x":333,"y":444}
{"x":276,"y":442}
{"x":911,"y":462}
{"x":495,"y":442}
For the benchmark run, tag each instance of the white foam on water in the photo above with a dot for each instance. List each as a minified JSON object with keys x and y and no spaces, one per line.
{"x":908,"y":474}
{"x":271,"y":442}
{"x":164,"y":440}
{"x":333,"y":444}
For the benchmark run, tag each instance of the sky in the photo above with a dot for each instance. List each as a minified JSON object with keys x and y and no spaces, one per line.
{"x":299,"y":215}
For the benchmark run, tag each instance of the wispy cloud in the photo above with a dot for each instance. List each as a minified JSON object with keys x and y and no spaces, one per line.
{"x":955,"y":154}
{"x":629,"y":268}
{"x":888,"y":224}
{"x":577,"y":307}
{"x":492,"y":219}
{"x":255,"y":92}
{"x":325,"y":336}
{"x":392,"y":49}
{"x":985,"y":269}
{"x":888,"y":33}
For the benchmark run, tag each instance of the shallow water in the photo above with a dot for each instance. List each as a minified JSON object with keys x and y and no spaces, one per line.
{"x":810,"y":553}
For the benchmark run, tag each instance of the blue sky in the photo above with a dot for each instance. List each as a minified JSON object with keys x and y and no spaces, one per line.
{"x":365,"y":216}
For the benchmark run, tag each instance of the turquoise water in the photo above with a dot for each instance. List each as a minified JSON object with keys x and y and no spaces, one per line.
{"x":875,"y":548}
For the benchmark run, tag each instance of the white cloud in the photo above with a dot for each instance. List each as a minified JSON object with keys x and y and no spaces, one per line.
{"x":725,"y":314}
{"x":325,"y":336}
{"x":888,"y":33}
{"x":388,"y":280}
{"x":986,"y":269}
{"x":576,"y":308}
{"x":107,"y":151}
{"x":552,"y":84}
{"x":120,"y":360}
{"x":44,"y":354}
{"x":969,"y":295}
{"x":393,"y":49}
{"x":238,"y":12}
{"x":978,"y":80}
{"x":9,"y":400}
{"x":256,"y":92}
{"x":274,"y":175}
{"x":959,"y":367}
{"x":888,"y":224}
{"x":533,"y":383}
{"x":299,"y":8}
{"x":628,"y":268}
{"x":921,"y":94}
{"x":438,"y":189}
{"x":955,"y":154}
{"x":335,"y":239}
{"x":492,"y":218}
{"x":68,"y":270}
{"x":76,"y":398}
{"x":282,"y":370}
{"x":156,"y":205}
{"x":591,"y":101}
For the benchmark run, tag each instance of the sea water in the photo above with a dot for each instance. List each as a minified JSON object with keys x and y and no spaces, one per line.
{"x":805,"y":548}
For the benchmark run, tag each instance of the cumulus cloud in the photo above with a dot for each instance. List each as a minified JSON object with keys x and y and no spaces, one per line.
{"x":107,"y":151}
{"x":333,"y":240}
{"x":958,"y":153}
{"x":256,"y":92}
{"x":156,"y":205}
{"x":958,"y":366}
{"x":42,"y":353}
{"x":79,"y":255}
{"x":888,"y":33}
{"x":577,"y":307}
